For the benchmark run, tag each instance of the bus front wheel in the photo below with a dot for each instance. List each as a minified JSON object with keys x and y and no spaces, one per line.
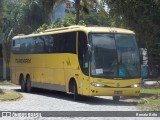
{"x":73,"y":89}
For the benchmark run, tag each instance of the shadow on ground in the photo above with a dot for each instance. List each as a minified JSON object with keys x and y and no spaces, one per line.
{"x":82,"y":99}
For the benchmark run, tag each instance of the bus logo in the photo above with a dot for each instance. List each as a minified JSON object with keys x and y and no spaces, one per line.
{"x":68,"y":62}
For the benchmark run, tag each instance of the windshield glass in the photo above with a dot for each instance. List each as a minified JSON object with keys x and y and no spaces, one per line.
{"x":114,"y":56}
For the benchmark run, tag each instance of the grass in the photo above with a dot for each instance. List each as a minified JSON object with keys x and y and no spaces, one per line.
{"x":150,"y":91}
{"x":9,"y":95}
{"x":149,"y":104}
{"x":149,"y":98}
{"x":6,"y":83}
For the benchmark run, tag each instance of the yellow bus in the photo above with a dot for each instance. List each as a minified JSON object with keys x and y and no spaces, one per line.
{"x":89,"y":61}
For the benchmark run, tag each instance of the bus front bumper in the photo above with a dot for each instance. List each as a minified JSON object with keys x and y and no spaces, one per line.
{"x":100,"y":91}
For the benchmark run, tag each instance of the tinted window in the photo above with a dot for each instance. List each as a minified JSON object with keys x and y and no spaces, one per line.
{"x":58,"y":43}
{"x":70,"y":43}
{"x":114,"y":56}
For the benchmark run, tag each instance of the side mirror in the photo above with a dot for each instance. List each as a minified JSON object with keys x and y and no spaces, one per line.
{"x":89,"y":50}
{"x":89,"y":47}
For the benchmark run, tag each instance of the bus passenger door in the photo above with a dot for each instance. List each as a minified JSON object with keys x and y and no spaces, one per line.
{"x":83,"y":63}
{"x":85,"y":75}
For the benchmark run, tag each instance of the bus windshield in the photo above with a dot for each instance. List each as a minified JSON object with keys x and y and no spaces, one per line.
{"x":114,"y":56}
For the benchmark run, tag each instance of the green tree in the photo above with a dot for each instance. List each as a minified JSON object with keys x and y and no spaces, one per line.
{"x":23,"y":16}
{"x":99,"y":19}
{"x":142,"y":16}
{"x":67,"y":22}
{"x":1,"y":7}
{"x":84,"y":6}
{"x":2,"y":14}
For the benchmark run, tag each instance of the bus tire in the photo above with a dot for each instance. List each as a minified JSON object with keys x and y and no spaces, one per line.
{"x":28,"y":84}
{"x":116,"y":98}
{"x":22,"y":83}
{"x":73,"y":89}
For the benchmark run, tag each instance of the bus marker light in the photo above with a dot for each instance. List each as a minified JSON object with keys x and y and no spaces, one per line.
{"x":97,"y":84}
{"x":135,"y":85}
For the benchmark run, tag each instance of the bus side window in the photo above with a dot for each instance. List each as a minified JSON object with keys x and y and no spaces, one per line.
{"x":82,"y":52}
{"x":70,"y":42}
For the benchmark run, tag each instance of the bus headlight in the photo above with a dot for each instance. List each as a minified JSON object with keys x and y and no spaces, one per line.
{"x":135,"y":85}
{"x":97,"y":84}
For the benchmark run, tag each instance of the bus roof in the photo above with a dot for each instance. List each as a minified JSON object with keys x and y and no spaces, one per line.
{"x":78,"y":28}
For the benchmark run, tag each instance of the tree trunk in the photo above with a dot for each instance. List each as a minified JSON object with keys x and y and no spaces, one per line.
{"x":77,"y":5}
{"x":4,"y":70}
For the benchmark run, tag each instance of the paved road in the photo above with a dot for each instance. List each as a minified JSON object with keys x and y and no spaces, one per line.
{"x":58,"y":101}
{"x":42,"y":100}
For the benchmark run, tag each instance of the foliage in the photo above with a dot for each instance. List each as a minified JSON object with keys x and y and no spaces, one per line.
{"x":142,"y":16}
{"x":1,"y":8}
{"x":19,"y":18}
{"x":92,"y":12}
{"x":83,"y":6}
{"x":67,"y":22}
{"x":151,"y":95}
{"x":99,"y":19}
{"x":22,"y":16}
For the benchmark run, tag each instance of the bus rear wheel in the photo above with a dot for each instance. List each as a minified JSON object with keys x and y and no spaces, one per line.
{"x":23,"y":84}
{"x":29,"y":87}
{"x":116,"y":98}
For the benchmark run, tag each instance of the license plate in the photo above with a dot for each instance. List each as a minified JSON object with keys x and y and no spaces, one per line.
{"x":118,"y":92}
